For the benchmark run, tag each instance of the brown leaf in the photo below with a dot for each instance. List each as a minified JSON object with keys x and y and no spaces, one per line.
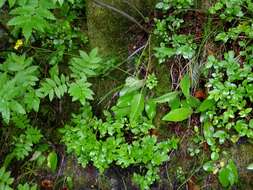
{"x":154,"y":132}
{"x":47,"y":184}
{"x":200,"y":94}
{"x":192,"y":185}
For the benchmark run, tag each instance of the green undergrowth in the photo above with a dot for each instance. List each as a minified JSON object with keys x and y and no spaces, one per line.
{"x":47,"y":94}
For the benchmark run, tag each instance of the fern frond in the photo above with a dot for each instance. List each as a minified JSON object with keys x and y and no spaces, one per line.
{"x":32,"y":16}
{"x":80,"y":90}
{"x":86,"y":65}
{"x":5,"y":179}
{"x":17,"y":78}
{"x":26,"y":186}
{"x":52,"y":87}
{"x":24,"y":143}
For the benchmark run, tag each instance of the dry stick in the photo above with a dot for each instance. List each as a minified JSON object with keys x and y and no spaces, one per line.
{"x":108,"y":6}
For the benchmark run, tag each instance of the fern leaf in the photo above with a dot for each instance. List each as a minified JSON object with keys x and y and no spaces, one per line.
{"x":80,"y":91}
{"x":86,"y":65}
{"x":5,"y":179}
{"x":24,"y":143}
{"x":53,"y":86}
{"x":32,"y":16}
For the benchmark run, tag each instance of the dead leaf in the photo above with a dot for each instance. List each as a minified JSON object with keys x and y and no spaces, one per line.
{"x":47,"y":184}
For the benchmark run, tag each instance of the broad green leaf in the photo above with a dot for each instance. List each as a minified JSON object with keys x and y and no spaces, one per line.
{"x":11,"y":2}
{"x":228,"y":175}
{"x":27,"y":31}
{"x":224,"y":177}
{"x":185,"y":85}
{"x":52,"y":161}
{"x":121,"y":112}
{"x":137,"y":106}
{"x":150,"y":108}
{"x":193,"y":102}
{"x":175,"y":103}
{"x":179,"y":114}
{"x":125,"y":100}
{"x":184,"y":103}
{"x":206,"y":105}
{"x":166,"y":97}
{"x":2,"y":3}
{"x":69,"y":182}
{"x":233,"y":177}
{"x":132,"y":84}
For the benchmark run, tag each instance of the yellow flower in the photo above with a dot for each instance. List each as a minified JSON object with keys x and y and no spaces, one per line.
{"x":215,"y":171}
{"x":18,"y":44}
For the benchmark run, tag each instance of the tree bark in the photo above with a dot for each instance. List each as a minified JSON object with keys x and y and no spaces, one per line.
{"x":109,"y":22}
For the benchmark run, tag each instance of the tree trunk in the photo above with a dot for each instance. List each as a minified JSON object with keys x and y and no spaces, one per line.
{"x":109,"y":22}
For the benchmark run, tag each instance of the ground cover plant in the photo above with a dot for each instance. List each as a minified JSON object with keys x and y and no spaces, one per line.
{"x":160,"y":100}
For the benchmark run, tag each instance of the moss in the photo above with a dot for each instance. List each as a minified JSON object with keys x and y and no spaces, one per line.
{"x":243,"y":156}
{"x":108,"y":30}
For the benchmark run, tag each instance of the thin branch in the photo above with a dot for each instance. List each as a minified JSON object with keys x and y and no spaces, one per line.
{"x":108,"y":6}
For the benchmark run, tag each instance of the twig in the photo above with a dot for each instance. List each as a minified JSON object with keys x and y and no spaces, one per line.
{"x":108,"y":6}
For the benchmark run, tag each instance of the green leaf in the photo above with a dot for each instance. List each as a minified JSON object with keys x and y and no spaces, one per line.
{"x":85,"y":65}
{"x":214,"y":156}
{"x":52,"y":161}
{"x":2,"y":3}
{"x":193,"y":102}
{"x":53,"y":87}
{"x":250,"y":167}
{"x":137,"y":107}
{"x":17,"y":107}
{"x":132,"y":84}
{"x":179,"y":114}
{"x":26,"y":186}
{"x":233,"y":177}
{"x":24,"y":143}
{"x":69,"y":182}
{"x":206,"y":105}
{"x":209,"y":166}
{"x":18,"y":20}
{"x":228,"y":175}
{"x":5,"y":110}
{"x":208,"y":130}
{"x":224,"y":177}
{"x":125,"y":100}
{"x":31,"y":16}
{"x":121,"y":112}
{"x":80,"y":90}
{"x":150,"y":108}
{"x":175,"y":103}
{"x":12,"y":2}
{"x":185,"y":85}
{"x":166,"y":97}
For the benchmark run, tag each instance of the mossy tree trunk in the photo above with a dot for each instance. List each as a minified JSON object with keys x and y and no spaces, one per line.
{"x":108,"y":29}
